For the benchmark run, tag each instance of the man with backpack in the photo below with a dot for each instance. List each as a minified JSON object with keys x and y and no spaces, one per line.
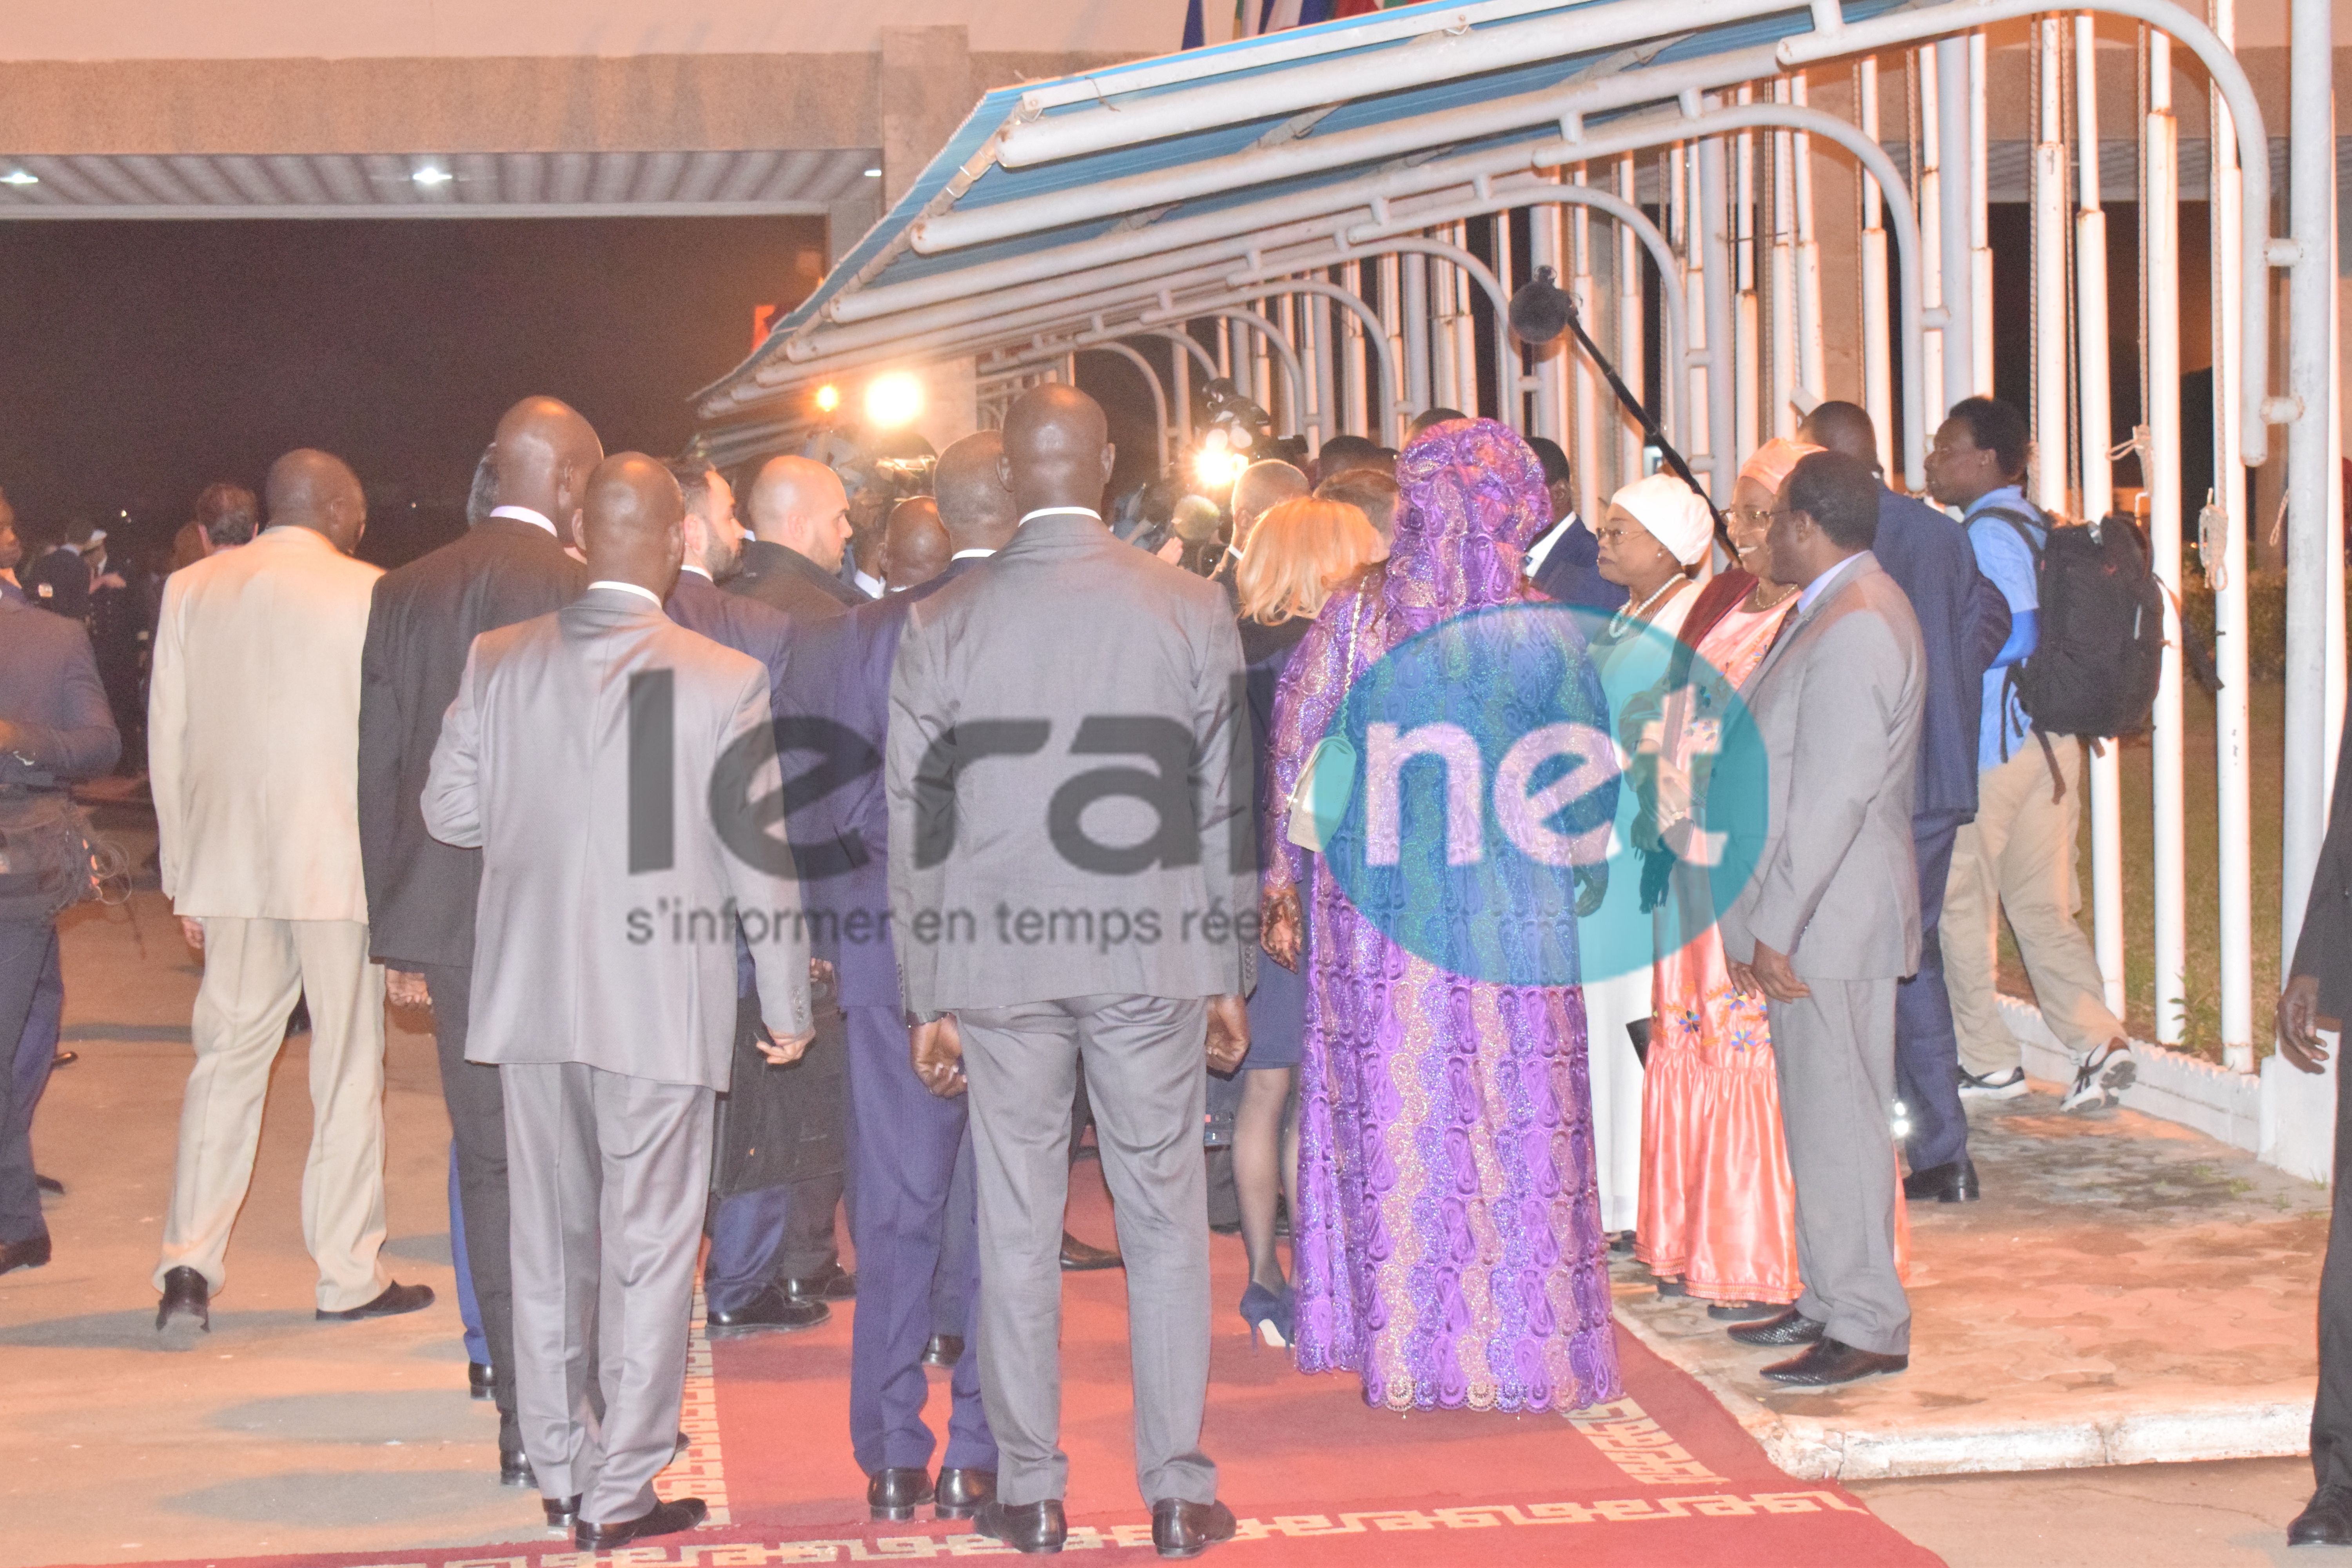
{"x":2017,"y":856}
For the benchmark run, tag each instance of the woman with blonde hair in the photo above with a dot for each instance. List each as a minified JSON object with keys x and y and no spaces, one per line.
{"x":1301,"y":550}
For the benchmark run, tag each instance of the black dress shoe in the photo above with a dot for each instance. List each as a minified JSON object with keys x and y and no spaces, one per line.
{"x":480,"y":1381}
{"x":2325,"y":1520}
{"x":770,"y":1311}
{"x":65,"y":1059}
{"x":562,"y":1512}
{"x":943,"y":1351}
{"x":514,"y":1470}
{"x":50,"y":1184}
{"x":830,"y":1283}
{"x":1955,"y":1182}
{"x":1078,"y":1257}
{"x":395,"y":1299}
{"x":31,"y":1253}
{"x":963,"y":1493}
{"x":893,"y":1495}
{"x":1791,"y":1328}
{"x":185,"y":1295}
{"x":1188,"y":1529}
{"x":1029,"y":1528}
{"x":666,"y":1519}
{"x":1827,"y":1362}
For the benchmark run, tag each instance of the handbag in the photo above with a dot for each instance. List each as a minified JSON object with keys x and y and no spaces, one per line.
{"x":1326,"y":780}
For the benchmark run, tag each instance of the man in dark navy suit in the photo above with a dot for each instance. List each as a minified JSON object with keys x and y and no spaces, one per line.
{"x":1963,"y":621}
{"x":904,"y":1140}
{"x":1564,"y":564}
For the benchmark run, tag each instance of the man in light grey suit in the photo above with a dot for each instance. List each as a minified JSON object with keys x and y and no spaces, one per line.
{"x":1829,"y":922}
{"x":1070,"y":872}
{"x":603,"y":980}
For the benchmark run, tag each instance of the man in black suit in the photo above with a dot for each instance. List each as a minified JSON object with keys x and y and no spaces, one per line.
{"x":799,"y":518}
{"x":58,"y":578}
{"x":904,"y":1141}
{"x":2318,"y":993}
{"x":1565,"y":563}
{"x":54,"y":729}
{"x":509,"y":567}
{"x":1963,"y":621}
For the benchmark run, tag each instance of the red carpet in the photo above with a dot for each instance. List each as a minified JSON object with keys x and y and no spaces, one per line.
{"x":1315,"y":1477}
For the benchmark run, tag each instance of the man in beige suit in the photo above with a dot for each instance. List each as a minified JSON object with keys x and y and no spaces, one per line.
{"x":603,"y":980}
{"x":1829,"y":922}
{"x":253,"y":753}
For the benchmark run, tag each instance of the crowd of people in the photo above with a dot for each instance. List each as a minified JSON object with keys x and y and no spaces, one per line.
{"x":760,"y":869}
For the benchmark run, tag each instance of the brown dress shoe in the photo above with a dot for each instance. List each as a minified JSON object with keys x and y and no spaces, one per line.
{"x":1181,"y":1529}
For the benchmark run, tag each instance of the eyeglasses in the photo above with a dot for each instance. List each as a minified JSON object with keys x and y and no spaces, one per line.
{"x":1751,"y":516}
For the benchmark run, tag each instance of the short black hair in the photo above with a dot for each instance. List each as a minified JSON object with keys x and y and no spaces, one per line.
{"x":1341,"y":453}
{"x":1840,"y":494}
{"x":1433,"y":416}
{"x":693,"y":477}
{"x":228,"y":513}
{"x":1995,"y":427}
{"x":1554,"y":460}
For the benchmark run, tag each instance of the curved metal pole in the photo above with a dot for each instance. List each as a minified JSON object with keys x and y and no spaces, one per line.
{"x":1179,"y":335}
{"x":1159,"y":395}
{"x":1275,"y":340}
{"x":1507,"y":350}
{"x":1374,"y":334}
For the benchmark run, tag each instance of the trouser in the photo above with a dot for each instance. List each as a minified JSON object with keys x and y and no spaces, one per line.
{"x":786,"y":1133}
{"x":469,"y":1312}
{"x":905,"y":1142}
{"x":955,"y":1284}
{"x":28,"y":952}
{"x":1926,"y":1047}
{"x":1834,"y":1055}
{"x":254,"y":969}
{"x":608,"y":1175}
{"x":1142,"y":1059}
{"x":2017,"y":859}
{"x":37,"y":1045}
{"x":477,"y":1125}
{"x":2331,"y":1413}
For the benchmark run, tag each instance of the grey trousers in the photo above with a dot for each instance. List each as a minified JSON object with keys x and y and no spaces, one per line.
{"x":1834,"y":1056}
{"x":1144,"y":1075}
{"x":608,"y":1176}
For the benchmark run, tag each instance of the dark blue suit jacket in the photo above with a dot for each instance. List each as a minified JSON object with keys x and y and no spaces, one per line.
{"x":1570,"y":572}
{"x":50,"y":691}
{"x":1963,"y":621}
{"x":840,"y":673}
{"x":732,"y":620}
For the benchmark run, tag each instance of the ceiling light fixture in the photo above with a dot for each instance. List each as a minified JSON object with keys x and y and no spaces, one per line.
{"x":20,"y":177}
{"x":873,"y":174}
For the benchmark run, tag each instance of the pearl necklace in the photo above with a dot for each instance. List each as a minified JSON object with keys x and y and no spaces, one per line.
{"x":1623,"y":621}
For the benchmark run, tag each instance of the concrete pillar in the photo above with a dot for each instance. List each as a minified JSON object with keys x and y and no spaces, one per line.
{"x":927,"y":91}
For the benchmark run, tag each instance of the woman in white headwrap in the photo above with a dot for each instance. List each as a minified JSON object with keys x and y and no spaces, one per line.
{"x":1653,"y":538}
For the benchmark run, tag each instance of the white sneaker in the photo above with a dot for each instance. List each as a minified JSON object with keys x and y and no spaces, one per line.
{"x":2102,"y":1078}
{"x":1998,"y":1086}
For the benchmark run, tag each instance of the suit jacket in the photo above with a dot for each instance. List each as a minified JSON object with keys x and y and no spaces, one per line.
{"x":59,"y":581}
{"x":579,"y":958}
{"x":1837,"y":705}
{"x":1570,"y":572}
{"x":2324,"y":950}
{"x":1963,"y":621}
{"x":425,"y":617}
{"x":1077,"y":694}
{"x":49,"y":689}
{"x":789,"y":581}
{"x":731,"y":620}
{"x":252,"y":729}
{"x":841,"y":839}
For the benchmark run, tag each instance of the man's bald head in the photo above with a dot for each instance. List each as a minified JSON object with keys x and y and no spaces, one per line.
{"x":632,"y":523}
{"x":1057,"y":451}
{"x":915,"y":547}
{"x":799,"y":503}
{"x":974,"y":503}
{"x":317,"y":490}
{"x":1842,"y":427}
{"x":1261,"y":488}
{"x":542,"y":458}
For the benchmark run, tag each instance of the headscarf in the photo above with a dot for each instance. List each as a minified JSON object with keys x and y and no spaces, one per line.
{"x":1473,"y":497}
{"x":1672,"y":511}
{"x":1771,"y":462}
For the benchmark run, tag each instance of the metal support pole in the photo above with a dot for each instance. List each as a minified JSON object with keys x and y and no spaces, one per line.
{"x":2233,"y":780}
{"x":1586,"y":431}
{"x":2310,"y":533}
{"x":1953,"y":144}
{"x":1353,"y":402}
{"x":1399,"y":397}
{"x":1812,"y":378}
{"x":1877,"y":351}
{"x":1632,"y":334}
{"x":2049,"y":468}
{"x":1927,"y":196}
{"x":1553,"y":413}
{"x":1784,"y":276}
{"x":1179,"y":386}
{"x":2160,"y":460}
{"x":1980,"y":221}
{"x":1712,"y":218}
{"x":1416,"y":332}
{"x":1745,"y":365}
{"x":2097,"y":431}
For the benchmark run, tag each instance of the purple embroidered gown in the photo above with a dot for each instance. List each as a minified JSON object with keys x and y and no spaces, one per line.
{"x":1448,"y":1240}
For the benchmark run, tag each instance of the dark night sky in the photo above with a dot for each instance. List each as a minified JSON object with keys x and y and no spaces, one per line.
{"x":139,"y":360}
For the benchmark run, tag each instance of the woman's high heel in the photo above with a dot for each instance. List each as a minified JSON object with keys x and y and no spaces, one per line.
{"x":1268,"y":1316}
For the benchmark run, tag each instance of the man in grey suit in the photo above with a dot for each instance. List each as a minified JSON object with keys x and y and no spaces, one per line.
{"x":603,"y":980}
{"x":1828,"y":924}
{"x":1070,"y":864}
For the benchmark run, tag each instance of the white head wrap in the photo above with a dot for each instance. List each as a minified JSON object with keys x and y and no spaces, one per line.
{"x":1672,"y":511}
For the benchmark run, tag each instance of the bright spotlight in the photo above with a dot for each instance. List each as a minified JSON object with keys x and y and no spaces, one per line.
{"x":20,"y":177}
{"x":432,"y":176}
{"x":1217,"y":468}
{"x":828,"y":398}
{"x":893,"y":400}
{"x":1216,"y":440}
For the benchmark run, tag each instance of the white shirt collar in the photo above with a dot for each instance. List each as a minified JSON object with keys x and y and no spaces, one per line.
{"x":638,"y":589}
{"x":1811,"y":593}
{"x":971,"y":556}
{"x":1059,"y":511}
{"x":524,"y":514}
{"x":691,"y":566}
{"x":869,"y":586}
{"x":1542,"y":549}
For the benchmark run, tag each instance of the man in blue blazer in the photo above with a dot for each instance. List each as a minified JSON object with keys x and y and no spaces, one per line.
{"x":904,"y":1140}
{"x":1963,"y":621}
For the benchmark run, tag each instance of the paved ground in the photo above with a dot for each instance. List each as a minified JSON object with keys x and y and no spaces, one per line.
{"x":2111,"y":1257}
